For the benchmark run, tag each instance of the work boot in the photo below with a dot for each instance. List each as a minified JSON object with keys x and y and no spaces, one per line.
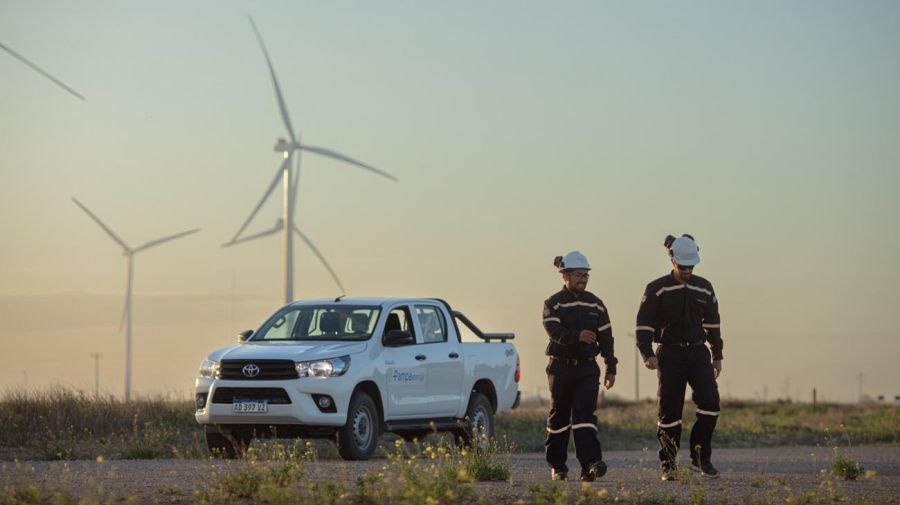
{"x":558,"y":474}
{"x":669,"y":471}
{"x":705,"y":468}
{"x":595,"y":470}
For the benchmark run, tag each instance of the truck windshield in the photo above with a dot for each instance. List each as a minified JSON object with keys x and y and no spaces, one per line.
{"x":346,"y":323}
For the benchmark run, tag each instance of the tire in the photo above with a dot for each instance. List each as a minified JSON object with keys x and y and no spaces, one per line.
{"x":357,"y":440}
{"x":227,"y":444}
{"x":479,"y":422}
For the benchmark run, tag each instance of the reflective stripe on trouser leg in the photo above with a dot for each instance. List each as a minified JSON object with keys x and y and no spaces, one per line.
{"x":584,"y":422}
{"x":559,"y":423}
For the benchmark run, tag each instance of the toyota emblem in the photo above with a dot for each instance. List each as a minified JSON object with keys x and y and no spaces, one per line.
{"x":251,"y":370}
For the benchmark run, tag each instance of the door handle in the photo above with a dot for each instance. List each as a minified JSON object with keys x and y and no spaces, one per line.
{"x":420,"y":357}
{"x":453,"y":355}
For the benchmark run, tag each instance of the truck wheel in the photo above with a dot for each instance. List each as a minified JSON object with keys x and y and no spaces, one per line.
{"x":357,"y":439}
{"x":227,"y":445}
{"x":479,"y":422}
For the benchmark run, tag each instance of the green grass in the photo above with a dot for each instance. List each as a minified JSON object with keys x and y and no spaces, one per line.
{"x":64,"y":424}
{"x":844,"y":467}
{"x":631,"y":426}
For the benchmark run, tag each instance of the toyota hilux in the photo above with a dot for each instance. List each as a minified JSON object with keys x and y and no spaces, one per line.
{"x":350,"y":369}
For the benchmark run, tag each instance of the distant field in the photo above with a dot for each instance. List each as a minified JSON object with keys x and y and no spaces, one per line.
{"x":72,"y":425}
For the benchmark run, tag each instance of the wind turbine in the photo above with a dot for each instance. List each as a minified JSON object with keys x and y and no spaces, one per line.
{"x":41,"y":71}
{"x":129,"y":253}
{"x":290,"y":149}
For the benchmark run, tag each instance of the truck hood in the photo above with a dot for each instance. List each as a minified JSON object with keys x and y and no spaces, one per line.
{"x":297,"y":351}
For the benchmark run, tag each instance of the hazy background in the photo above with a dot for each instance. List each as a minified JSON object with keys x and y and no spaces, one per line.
{"x":518,"y":130}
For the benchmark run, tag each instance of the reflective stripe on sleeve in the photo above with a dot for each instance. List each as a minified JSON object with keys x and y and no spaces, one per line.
{"x":605,"y":327}
{"x":707,"y":413}
{"x":711,"y":325}
{"x":554,"y":432}
{"x":668,"y":425}
{"x":584,"y":425}
{"x":647,"y":328}
{"x":548,"y":319}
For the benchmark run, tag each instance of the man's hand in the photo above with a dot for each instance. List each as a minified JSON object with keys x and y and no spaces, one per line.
{"x":717,"y":368}
{"x":609,"y":381}
{"x":652,"y":363}
{"x":587,"y":336}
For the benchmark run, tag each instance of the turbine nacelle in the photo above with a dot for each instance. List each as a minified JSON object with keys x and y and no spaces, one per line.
{"x":283,"y":146}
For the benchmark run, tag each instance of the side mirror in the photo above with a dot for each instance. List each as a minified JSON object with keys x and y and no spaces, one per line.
{"x":396,"y":338}
{"x":244,"y":335}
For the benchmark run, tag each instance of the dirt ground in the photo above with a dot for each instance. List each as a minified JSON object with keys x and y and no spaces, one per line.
{"x":748,"y":476}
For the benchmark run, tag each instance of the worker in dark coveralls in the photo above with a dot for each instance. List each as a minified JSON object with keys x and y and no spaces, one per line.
{"x":578,"y":326}
{"x":680,"y":312}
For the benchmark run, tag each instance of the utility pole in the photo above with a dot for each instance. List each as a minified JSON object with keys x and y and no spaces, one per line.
{"x":637,"y":369}
{"x":232,"y":331}
{"x":96,"y":357}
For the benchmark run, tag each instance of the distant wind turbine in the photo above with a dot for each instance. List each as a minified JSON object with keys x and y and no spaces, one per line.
{"x":129,"y":253}
{"x":290,"y":149}
{"x":42,"y":72}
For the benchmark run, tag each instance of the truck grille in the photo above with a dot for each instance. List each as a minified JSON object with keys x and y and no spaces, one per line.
{"x":275,"y":396}
{"x":269,"y":369}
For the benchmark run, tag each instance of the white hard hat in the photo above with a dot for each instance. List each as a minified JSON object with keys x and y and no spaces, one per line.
{"x":685,"y":251}
{"x":572,"y":261}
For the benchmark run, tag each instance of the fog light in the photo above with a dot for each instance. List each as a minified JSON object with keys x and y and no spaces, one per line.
{"x":201,"y":401}
{"x":325,"y":403}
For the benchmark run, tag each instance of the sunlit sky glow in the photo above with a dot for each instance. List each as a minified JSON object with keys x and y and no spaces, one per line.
{"x":518,"y":130}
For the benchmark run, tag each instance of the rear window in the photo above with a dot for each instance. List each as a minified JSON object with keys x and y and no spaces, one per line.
{"x":328,"y":322}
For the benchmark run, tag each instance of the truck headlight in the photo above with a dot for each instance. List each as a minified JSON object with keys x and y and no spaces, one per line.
{"x":209,"y":368}
{"x":331,"y":367}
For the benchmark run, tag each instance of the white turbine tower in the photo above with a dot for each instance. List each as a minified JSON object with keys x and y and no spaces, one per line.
{"x":41,"y":71}
{"x":290,"y":149}
{"x":129,"y":253}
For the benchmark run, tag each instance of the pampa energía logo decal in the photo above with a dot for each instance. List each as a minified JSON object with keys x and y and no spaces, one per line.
{"x":407,"y":378}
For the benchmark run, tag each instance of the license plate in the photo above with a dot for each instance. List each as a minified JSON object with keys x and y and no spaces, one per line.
{"x":250,"y":406}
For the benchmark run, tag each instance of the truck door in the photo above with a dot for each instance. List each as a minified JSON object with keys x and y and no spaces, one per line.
{"x":404,"y":369}
{"x":443,"y":361}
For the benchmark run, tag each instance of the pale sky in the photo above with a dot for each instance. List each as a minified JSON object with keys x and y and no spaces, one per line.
{"x":519,"y":131}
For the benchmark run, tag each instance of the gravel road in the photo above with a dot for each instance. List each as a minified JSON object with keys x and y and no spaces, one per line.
{"x":748,"y":475}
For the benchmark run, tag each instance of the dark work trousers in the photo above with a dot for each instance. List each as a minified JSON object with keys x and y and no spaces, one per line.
{"x":573,"y":394}
{"x":679,"y":366}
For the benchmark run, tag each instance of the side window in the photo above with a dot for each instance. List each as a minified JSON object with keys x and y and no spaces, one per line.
{"x":400,"y":319}
{"x":431,"y":320}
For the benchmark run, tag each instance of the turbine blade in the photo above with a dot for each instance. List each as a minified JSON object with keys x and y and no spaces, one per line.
{"x":159,"y":241}
{"x":278,"y":95}
{"x":279,"y":225}
{"x":42,"y":72}
{"x":263,"y":199}
{"x":105,"y":228}
{"x":338,"y":156}
{"x":321,"y":258}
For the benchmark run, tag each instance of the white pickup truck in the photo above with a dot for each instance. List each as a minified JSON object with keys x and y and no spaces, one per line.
{"x":350,"y":369}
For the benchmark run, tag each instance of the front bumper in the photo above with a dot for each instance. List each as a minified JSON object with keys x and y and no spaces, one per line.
{"x":302,"y":410}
